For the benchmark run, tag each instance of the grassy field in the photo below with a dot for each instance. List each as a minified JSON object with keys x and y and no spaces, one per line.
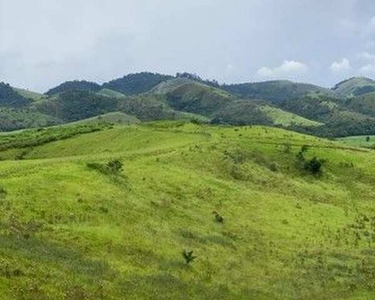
{"x":281,"y":117}
{"x":359,"y":141}
{"x":71,"y":227}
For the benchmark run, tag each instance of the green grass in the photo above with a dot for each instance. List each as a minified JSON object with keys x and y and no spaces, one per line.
{"x":29,"y":94}
{"x":359,"y":141}
{"x":281,"y":117}
{"x":68,"y":231}
{"x":109,"y":118}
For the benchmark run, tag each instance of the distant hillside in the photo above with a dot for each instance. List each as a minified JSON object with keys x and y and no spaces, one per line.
{"x":74,"y":86}
{"x":10,"y":98}
{"x":355,"y":86}
{"x":275,"y":91}
{"x":133,"y":84}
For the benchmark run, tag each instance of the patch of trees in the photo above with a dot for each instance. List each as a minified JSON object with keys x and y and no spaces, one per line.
{"x":74,"y":86}
{"x":139,"y":83}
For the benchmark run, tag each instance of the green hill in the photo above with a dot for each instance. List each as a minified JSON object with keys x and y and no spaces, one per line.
{"x":139,"y":83}
{"x":76,"y":85}
{"x":75,"y":227}
{"x":276,"y":91}
{"x":355,"y":86}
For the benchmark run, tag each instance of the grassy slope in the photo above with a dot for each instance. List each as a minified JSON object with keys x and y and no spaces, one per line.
{"x":281,"y":117}
{"x":70,"y":232}
{"x":359,"y":141}
{"x":353,"y":86}
{"x":114,"y":117}
{"x":29,"y":94}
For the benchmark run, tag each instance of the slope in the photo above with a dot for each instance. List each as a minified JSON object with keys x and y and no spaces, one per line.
{"x":113,"y":235}
{"x":276,"y":91}
{"x":355,"y":86}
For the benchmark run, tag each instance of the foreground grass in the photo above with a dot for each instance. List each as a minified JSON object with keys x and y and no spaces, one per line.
{"x":68,"y":231}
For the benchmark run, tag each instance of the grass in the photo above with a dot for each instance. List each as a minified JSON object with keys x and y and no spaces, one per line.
{"x":284,"y":118}
{"x":359,"y":141}
{"x":68,"y":231}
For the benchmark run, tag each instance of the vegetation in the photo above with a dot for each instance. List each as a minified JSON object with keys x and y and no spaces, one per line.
{"x":133,"y":84}
{"x":74,"y":86}
{"x":286,"y":234}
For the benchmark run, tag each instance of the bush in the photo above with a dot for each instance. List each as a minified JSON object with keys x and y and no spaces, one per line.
{"x":188,"y":256}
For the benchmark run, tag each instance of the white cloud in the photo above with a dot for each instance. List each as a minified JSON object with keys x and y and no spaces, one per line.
{"x":368,"y":69}
{"x":367,"y":56}
{"x":342,"y":66}
{"x":287,"y":69}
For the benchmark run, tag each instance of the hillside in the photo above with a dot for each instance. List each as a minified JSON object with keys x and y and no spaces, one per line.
{"x":110,"y":233}
{"x":355,"y":86}
{"x":276,"y":91}
{"x":74,"y":86}
{"x":139,"y":83}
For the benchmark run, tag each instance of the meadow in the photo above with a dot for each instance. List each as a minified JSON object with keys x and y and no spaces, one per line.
{"x":261,"y":224}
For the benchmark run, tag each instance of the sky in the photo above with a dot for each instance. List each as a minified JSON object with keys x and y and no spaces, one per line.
{"x":46,"y":42}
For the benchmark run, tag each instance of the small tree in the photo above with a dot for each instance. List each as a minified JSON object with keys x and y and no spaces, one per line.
{"x":367,"y":139}
{"x":188,"y":256}
{"x":115,"y":165}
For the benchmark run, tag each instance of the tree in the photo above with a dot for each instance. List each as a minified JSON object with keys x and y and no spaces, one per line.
{"x":367,"y":139}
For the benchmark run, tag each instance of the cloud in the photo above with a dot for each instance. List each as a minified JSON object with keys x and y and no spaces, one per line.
{"x":368,"y":69}
{"x":367,"y":56}
{"x":338,"y":67}
{"x":288,"y":68}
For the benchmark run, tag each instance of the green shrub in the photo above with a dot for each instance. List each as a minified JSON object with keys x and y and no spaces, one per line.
{"x":188,"y":256}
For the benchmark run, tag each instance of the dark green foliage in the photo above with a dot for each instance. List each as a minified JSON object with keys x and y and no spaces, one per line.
{"x":10,"y":98}
{"x":113,"y":167}
{"x":188,"y":256}
{"x":133,"y":84}
{"x":77,"y":105}
{"x":3,"y":192}
{"x":218,"y":218}
{"x":74,"y":86}
{"x":37,"y":137}
{"x":368,"y":139}
{"x":313,"y":166}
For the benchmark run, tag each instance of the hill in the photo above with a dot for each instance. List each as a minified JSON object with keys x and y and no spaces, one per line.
{"x":111,"y":233}
{"x":139,"y":83}
{"x":74,"y":86}
{"x":355,"y":86}
{"x":275,"y":91}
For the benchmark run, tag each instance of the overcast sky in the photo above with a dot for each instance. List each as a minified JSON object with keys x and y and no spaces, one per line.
{"x":45,"y":42}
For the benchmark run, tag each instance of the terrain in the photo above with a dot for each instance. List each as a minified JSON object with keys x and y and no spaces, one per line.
{"x":345,"y":110}
{"x":262,"y":223}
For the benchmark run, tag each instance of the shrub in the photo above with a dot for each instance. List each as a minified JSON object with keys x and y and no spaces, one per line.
{"x":188,"y":256}
{"x":115,"y":165}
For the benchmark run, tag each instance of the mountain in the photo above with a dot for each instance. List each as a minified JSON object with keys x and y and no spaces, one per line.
{"x":111,"y":210}
{"x":139,"y":83}
{"x":74,"y":86}
{"x":355,"y":86}
{"x":275,"y":91}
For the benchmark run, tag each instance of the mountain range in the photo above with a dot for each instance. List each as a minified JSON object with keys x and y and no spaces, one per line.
{"x":346,"y":109}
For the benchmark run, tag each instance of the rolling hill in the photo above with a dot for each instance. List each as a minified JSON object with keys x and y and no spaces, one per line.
{"x":355,"y":86}
{"x":276,"y":91}
{"x":261,"y":224}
